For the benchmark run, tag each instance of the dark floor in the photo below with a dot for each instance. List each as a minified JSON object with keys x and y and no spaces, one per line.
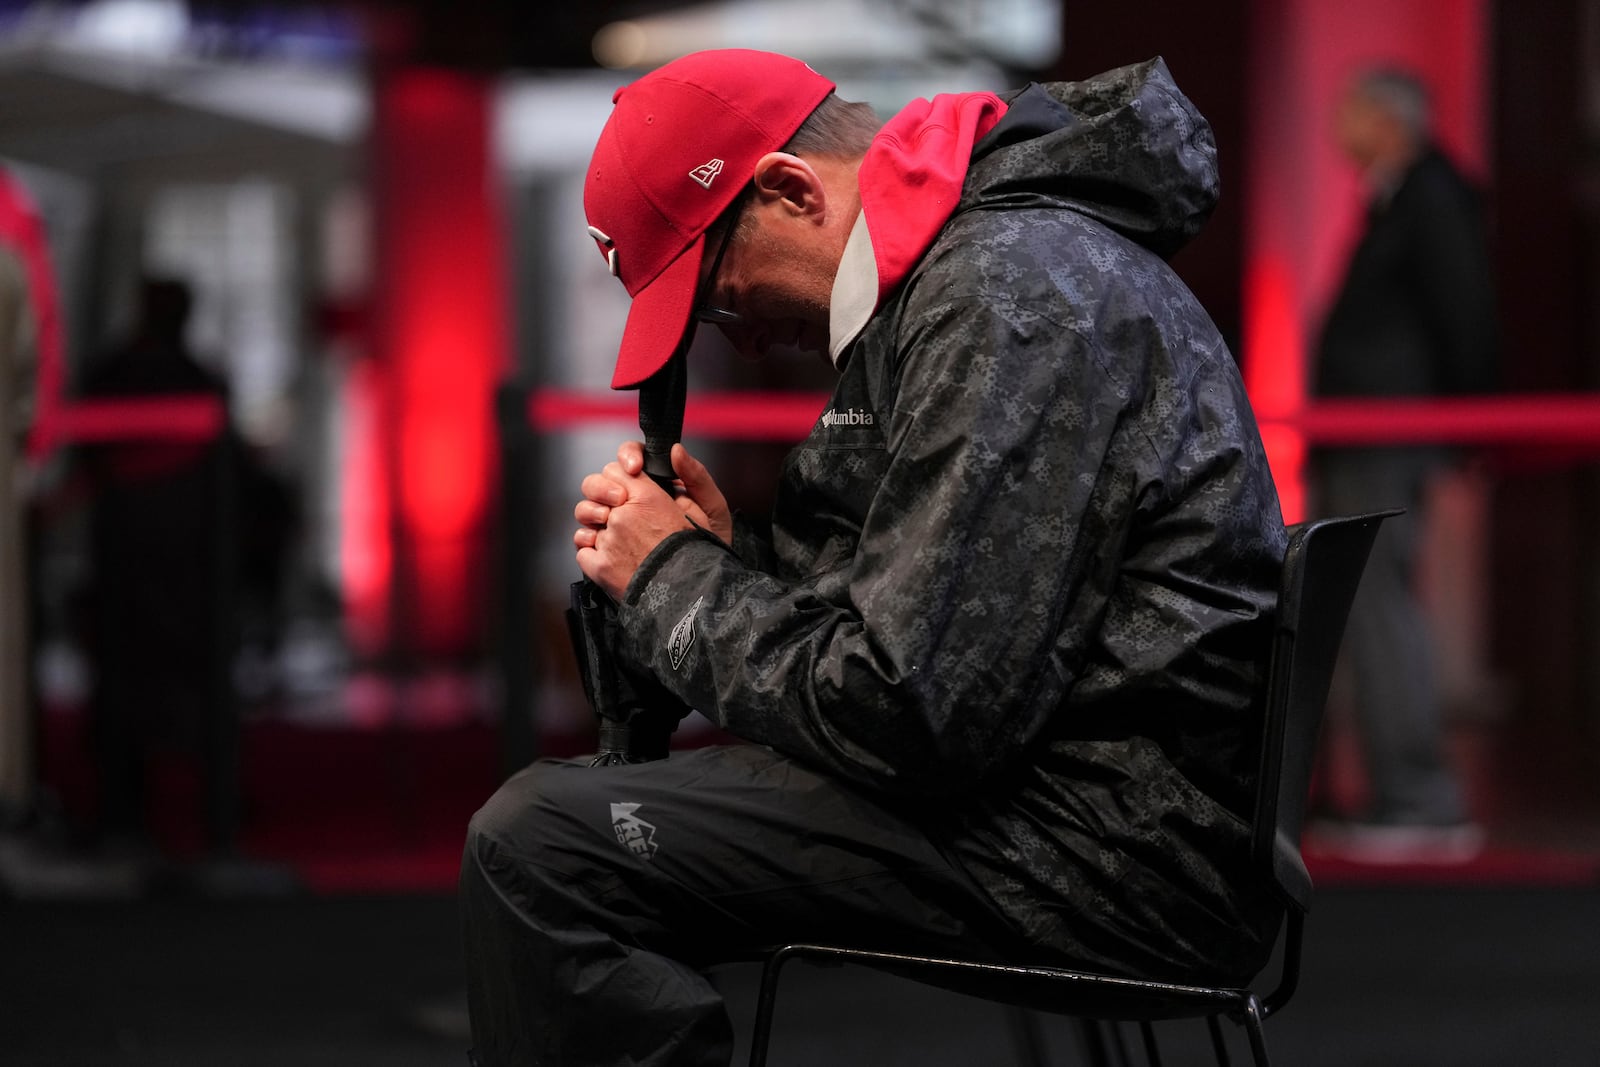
{"x":1463,"y":977}
{"x":335,"y":944}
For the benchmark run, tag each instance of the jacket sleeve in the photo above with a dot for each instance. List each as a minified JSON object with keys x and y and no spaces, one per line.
{"x":980,"y":571}
{"x":752,"y":543}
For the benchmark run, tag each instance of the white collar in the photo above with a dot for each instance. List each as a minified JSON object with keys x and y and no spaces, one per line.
{"x":855,"y":291}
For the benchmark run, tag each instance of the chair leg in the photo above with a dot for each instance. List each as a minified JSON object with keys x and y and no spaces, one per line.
{"x":1219,"y":1044}
{"x":761,"y":1032}
{"x":1253,"y":1026}
{"x":1120,"y":1043}
{"x":1094,"y":1043}
{"x":1152,"y":1051}
{"x":1027,"y":1036}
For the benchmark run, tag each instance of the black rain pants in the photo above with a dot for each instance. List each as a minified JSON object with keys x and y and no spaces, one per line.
{"x":592,"y":899}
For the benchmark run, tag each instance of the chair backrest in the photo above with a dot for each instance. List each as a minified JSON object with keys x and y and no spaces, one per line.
{"x":1321,"y":570}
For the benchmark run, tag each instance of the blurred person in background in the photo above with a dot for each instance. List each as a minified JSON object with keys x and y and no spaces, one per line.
{"x":1413,"y":317}
{"x":154,"y":509}
{"x":997,"y":652}
{"x":30,"y":361}
{"x":18,"y":358}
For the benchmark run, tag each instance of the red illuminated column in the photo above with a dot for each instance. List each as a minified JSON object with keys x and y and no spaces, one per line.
{"x":439,"y":333}
{"x":1303,"y":200}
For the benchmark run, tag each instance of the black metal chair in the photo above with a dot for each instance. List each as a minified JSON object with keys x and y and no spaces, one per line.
{"x":1321,"y":569}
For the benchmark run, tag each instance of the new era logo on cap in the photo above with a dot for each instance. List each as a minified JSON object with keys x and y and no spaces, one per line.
{"x":706,"y":173}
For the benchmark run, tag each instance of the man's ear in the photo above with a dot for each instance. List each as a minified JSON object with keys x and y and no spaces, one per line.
{"x":791,"y":184}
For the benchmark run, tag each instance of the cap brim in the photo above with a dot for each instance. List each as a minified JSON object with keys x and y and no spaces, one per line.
{"x":659,"y":318}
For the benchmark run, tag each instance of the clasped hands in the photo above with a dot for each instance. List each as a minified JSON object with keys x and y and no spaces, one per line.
{"x":624,"y":514}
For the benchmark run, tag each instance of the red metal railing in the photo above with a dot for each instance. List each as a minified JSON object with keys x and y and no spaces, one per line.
{"x":1567,"y":419}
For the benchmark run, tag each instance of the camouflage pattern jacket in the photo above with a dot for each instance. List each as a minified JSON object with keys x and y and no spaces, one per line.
{"x":1020,"y":577}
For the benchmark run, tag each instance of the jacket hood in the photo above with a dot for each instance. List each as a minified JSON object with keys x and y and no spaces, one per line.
{"x":913,"y":176}
{"x":1125,"y":148}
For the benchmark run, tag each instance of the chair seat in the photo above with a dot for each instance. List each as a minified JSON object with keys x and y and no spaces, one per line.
{"x":1321,"y":569}
{"x":1053,"y":990}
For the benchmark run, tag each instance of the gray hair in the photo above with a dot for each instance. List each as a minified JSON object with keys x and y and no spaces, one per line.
{"x":1400,"y":94}
{"x":839,"y":128}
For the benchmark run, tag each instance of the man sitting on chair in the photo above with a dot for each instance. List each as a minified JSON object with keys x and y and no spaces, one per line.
{"x":998,"y":653}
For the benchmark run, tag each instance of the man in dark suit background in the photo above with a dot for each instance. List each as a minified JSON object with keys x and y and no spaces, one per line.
{"x":1414,"y":316}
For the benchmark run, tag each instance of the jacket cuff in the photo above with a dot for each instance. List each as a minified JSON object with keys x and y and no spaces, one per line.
{"x":672,"y":546}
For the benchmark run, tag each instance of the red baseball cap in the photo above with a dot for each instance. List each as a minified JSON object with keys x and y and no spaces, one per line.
{"x":680,"y":145}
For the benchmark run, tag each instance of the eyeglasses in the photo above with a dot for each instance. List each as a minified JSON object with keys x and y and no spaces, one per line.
{"x":710,"y":312}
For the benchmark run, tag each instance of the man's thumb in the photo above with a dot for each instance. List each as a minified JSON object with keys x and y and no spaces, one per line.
{"x":691,"y":470}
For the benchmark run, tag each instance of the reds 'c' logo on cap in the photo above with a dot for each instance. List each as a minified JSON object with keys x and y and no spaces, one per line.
{"x":609,"y":247}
